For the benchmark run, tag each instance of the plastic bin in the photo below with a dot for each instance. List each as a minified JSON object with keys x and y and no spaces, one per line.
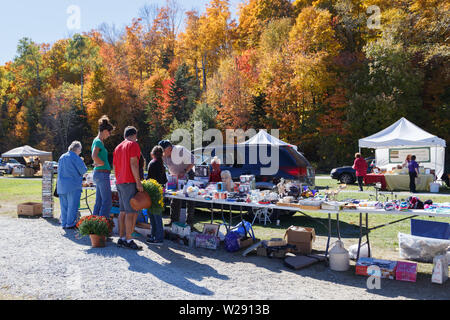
{"x":430,"y":229}
{"x":434,"y":187}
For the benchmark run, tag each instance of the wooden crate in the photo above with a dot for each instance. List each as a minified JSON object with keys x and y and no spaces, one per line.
{"x":29,"y":209}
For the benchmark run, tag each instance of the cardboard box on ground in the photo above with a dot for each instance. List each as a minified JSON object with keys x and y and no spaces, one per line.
{"x":29,"y":209}
{"x":301,"y":237}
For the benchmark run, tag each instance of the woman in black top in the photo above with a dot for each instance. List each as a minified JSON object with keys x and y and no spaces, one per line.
{"x":157,"y":171}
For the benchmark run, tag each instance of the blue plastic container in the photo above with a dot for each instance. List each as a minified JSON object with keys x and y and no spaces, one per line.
{"x":430,"y":229}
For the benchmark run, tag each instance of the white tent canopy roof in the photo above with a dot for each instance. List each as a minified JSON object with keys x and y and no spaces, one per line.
{"x":401,"y":133}
{"x":26,"y":151}
{"x":263,"y":138}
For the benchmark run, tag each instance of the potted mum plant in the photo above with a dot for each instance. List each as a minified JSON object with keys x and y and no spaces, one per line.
{"x":155,"y":191}
{"x":97,"y":228}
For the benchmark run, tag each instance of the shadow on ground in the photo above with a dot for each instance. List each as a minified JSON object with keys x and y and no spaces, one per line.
{"x":180,"y":271}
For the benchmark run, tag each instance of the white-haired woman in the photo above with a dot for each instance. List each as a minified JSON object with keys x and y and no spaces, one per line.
{"x":71,"y":169}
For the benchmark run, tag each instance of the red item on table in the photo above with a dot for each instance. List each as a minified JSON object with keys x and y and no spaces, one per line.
{"x":373,"y":178}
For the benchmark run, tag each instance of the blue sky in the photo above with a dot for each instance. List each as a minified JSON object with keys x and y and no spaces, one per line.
{"x":46,"y":20}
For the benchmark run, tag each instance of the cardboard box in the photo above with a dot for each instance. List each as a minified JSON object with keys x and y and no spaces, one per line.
{"x":279,"y":253}
{"x":245,"y":243}
{"x":261,"y":251}
{"x":276,"y":242}
{"x":301,"y":247}
{"x":302,"y":238}
{"x":387,"y":267}
{"x":29,"y":209}
{"x":406,"y":271}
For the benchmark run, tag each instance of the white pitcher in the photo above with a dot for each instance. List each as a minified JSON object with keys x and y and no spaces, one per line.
{"x":339,"y":257}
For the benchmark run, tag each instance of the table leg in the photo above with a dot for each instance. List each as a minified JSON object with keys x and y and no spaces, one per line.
{"x":329,"y":235}
{"x":360,"y":236}
{"x":367,"y":235}
{"x":337,"y":226}
{"x":212,"y":212}
{"x":86,"y":199}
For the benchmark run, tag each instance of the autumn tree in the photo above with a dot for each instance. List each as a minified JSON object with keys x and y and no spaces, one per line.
{"x":255,"y":15}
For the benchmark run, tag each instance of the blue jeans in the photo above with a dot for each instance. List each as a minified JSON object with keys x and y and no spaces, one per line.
{"x":69,"y":202}
{"x":157,"y":226}
{"x":103,"y":201}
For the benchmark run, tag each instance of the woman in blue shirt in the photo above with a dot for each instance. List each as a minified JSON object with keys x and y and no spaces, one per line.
{"x":71,"y":169}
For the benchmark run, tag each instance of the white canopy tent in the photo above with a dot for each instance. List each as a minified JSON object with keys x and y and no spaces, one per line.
{"x":264,"y":138}
{"x":403,"y":137}
{"x":27,"y":152}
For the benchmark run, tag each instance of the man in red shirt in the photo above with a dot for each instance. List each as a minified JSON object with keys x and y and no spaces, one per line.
{"x":128,"y":182}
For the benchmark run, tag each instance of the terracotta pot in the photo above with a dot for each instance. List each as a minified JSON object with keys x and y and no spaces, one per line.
{"x":141,"y":201}
{"x":97,"y":241}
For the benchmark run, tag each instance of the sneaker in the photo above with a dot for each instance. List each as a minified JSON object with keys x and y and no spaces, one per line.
{"x":121,"y":243}
{"x":154,"y":241}
{"x":132,"y":245}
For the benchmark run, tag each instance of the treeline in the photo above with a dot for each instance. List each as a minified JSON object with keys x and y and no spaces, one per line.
{"x":316,"y":70}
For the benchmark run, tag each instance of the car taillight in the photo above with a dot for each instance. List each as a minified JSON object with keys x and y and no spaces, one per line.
{"x":294,"y":171}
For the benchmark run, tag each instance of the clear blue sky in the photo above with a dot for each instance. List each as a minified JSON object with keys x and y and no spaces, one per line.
{"x":46,"y":20}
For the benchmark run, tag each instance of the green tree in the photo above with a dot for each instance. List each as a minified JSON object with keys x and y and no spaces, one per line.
{"x":29,"y":58}
{"x":82,"y":55}
{"x":183,"y":93}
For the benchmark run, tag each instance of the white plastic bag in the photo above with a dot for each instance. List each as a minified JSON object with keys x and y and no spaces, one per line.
{"x":363,"y":252}
{"x":421,"y":248}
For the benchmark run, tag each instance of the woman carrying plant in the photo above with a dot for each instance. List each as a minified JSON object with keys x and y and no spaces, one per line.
{"x":156,"y":171}
{"x":102,"y":169}
{"x":69,"y":184}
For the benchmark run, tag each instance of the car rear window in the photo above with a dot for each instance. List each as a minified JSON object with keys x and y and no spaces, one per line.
{"x":299,"y":158}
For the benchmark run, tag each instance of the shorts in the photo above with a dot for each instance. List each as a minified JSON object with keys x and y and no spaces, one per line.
{"x":126,"y":192}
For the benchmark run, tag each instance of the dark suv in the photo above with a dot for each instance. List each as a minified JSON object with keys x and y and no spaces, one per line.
{"x":246,"y":160}
{"x":347,"y":174}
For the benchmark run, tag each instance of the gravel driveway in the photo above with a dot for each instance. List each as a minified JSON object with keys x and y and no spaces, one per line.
{"x":40,"y":260}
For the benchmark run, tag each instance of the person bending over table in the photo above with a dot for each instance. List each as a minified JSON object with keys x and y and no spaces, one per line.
{"x":128,"y":183}
{"x":413,"y":168}
{"x":102,"y":169}
{"x":156,"y":171}
{"x":360,"y":165}
{"x":180,"y":162}
{"x":69,"y":184}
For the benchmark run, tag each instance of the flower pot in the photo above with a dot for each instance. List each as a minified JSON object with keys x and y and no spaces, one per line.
{"x":141,"y":201}
{"x":97,"y":241}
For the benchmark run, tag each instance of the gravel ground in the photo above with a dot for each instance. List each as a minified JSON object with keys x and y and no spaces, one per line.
{"x":39,"y":260}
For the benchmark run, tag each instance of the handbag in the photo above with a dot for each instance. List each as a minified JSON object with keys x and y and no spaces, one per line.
{"x":55,"y":193}
{"x":243,"y":228}
{"x":232,"y":241}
